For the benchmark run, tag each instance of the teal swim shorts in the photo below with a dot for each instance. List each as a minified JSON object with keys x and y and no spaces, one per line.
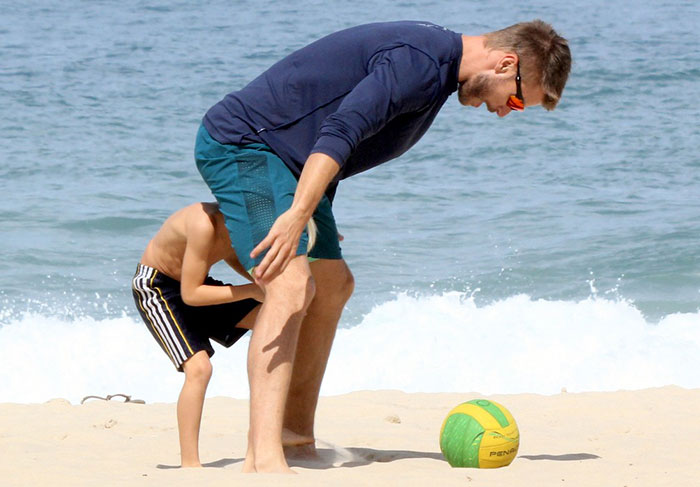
{"x":253,"y":187}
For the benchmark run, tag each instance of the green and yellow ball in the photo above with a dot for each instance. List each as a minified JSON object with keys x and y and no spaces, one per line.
{"x":479,"y":434}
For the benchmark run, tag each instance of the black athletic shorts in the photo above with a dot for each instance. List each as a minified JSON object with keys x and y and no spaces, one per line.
{"x":180,"y":329}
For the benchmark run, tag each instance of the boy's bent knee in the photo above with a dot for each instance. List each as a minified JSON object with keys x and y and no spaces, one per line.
{"x":198,"y":367}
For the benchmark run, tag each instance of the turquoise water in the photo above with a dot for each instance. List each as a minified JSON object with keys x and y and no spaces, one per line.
{"x":596,"y":202}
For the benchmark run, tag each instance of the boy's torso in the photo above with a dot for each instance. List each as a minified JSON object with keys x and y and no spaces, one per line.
{"x":166,"y":250}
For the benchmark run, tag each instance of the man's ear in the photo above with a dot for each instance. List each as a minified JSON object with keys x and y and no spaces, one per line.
{"x":507,"y":64}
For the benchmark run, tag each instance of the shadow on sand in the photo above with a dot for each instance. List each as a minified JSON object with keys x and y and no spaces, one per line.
{"x":224,"y":462}
{"x":333,"y":457}
{"x":568,"y":457}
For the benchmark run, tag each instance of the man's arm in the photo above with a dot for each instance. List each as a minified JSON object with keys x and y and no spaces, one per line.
{"x":195,"y":268}
{"x":283,"y":238}
{"x":401,"y":80}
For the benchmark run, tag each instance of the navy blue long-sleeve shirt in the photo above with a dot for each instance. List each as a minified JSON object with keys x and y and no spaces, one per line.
{"x":362,"y":96}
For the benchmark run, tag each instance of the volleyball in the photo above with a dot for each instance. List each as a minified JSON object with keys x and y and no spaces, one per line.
{"x":479,"y":434}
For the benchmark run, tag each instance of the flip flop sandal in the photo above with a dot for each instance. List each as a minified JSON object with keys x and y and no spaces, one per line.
{"x":109,"y":398}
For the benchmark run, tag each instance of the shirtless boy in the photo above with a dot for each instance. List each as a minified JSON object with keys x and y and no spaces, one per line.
{"x":184,"y":308}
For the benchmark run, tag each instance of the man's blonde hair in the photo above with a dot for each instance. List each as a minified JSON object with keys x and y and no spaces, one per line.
{"x":543,"y":54}
{"x":311,"y":231}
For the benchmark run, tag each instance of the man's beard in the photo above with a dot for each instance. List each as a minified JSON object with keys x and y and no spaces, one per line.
{"x":474,"y":88}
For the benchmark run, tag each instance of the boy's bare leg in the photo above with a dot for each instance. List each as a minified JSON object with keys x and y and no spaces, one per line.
{"x":334,"y":286}
{"x":270,"y":361}
{"x":190,"y":404}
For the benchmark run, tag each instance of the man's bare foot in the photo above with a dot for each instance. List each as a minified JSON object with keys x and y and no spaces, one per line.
{"x":298,"y":447}
{"x":290,"y":438}
{"x":252,"y":465}
{"x":271,"y":468}
{"x":301,"y":452}
{"x":191,"y":465}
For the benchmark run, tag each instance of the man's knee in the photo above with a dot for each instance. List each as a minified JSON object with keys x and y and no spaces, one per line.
{"x":344,"y":285}
{"x":306,"y":290}
{"x":336,"y":282}
{"x":294,"y":290}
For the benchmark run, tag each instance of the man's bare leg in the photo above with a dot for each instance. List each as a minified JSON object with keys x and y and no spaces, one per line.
{"x":189,"y":406}
{"x":334,"y":286}
{"x":270,"y":361}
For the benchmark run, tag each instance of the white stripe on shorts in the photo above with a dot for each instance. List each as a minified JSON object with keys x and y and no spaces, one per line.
{"x":151,"y":303}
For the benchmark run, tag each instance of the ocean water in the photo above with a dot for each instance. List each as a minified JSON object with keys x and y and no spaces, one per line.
{"x":531,"y":253}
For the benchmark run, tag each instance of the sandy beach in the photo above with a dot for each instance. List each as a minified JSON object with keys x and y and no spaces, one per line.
{"x":627,"y":438}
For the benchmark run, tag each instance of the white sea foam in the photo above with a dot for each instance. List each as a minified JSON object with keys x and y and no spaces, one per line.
{"x":448,"y":343}
{"x":428,"y":344}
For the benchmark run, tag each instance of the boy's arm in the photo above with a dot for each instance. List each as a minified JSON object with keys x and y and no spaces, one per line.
{"x":195,"y":268}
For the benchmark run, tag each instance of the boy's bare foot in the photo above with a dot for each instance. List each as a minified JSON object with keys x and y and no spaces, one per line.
{"x":248,"y":465}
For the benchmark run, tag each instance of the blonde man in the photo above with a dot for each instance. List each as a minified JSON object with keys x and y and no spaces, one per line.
{"x":274,"y":152}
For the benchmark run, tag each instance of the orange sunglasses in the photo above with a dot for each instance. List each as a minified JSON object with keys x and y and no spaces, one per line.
{"x":517,"y":102}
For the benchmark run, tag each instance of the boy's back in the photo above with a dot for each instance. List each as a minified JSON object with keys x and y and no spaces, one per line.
{"x":203,"y":221}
